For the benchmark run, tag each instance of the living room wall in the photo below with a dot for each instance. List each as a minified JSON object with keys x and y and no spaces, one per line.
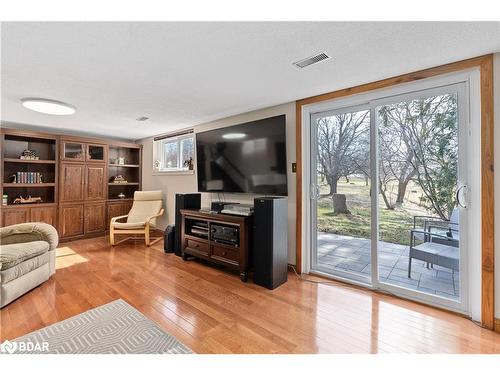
{"x":172,"y":183}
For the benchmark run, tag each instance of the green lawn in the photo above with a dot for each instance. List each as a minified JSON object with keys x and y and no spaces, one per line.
{"x":394,"y":225}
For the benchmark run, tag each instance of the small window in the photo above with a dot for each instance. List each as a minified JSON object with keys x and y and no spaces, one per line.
{"x":174,"y":153}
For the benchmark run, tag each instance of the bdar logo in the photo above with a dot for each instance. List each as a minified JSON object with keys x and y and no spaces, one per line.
{"x":8,"y":347}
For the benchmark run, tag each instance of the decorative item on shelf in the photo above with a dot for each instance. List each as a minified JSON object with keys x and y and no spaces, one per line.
{"x":120,"y":161}
{"x":29,"y":155}
{"x":119,"y":179}
{"x":121,"y":196}
{"x":156,"y":165}
{"x":13,"y":179}
{"x":189,"y":163}
{"x":5,"y":198}
{"x":28,"y":200}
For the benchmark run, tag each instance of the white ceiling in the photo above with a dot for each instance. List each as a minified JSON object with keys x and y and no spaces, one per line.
{"x":183,"y":74}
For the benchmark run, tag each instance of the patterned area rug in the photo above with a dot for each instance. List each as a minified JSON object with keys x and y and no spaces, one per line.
{"x":112,"y":328}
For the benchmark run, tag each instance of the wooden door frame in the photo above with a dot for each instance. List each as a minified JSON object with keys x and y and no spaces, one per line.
{"x":485,"y":65}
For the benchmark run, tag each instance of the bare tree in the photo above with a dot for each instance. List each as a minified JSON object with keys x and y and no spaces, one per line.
{"x":342,"y":142}
{"x":419,"y":141}
{"x":397,"y":153}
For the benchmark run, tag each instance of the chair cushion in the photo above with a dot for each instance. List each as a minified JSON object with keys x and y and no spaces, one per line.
{"x":23,"y":268}
{"x":13,"y":254}
{"x":142,"y":210}
{"x":154,"y":195}
{"x":138,"y":225}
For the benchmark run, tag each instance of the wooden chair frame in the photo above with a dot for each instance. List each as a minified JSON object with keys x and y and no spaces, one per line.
{"x":145,"y":230}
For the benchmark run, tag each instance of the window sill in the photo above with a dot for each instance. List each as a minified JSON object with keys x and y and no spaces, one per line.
{"x":172,"y":173}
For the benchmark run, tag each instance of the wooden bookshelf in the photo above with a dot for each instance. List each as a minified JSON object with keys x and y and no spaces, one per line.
{"x":18,"y":185}
{"x":125,"y":160}
{"x":27,"y":161}
{"x":45,"y":146}
{"x":124,"y":165}
{"x":122,"y":183}
{"x":77,"y":190}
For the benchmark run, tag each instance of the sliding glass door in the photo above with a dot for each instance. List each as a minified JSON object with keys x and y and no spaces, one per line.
{"x":388,"y":194}
{"x":341,"y":186}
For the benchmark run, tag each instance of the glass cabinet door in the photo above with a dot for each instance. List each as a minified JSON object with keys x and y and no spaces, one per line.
{"x":73,"y":151}
{"x":95,"y":152}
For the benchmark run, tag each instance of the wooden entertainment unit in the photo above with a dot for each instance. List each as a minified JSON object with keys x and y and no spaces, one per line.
{"x":197,"y":239}
{"x":73,"y":176}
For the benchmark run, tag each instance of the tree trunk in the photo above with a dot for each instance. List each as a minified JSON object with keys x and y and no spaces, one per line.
{"x":340,"y":204}
{"x":332,"y":182}
{"x":402,"y":185}
{"x":384,"y":196}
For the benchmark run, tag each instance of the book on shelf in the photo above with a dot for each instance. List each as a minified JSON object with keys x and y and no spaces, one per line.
{"x":28,"y":178}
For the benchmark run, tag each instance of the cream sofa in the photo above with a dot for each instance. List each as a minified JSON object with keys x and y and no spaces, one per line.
{"x":27,"y":258}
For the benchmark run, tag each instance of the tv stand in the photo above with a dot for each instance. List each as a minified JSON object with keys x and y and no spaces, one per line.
{"x":198,"y":239}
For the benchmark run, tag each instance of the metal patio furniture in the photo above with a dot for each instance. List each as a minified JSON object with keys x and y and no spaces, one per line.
{"x":436,"y":249}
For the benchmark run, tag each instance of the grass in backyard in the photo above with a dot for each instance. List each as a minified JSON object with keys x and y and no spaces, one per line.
{"x":394,"y":225}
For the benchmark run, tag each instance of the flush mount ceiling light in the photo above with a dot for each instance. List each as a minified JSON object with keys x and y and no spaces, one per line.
{"x":48,"y":106}
{"x":234,"y":135}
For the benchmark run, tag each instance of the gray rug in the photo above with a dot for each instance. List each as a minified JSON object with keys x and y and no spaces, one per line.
{"x":112,"y":328}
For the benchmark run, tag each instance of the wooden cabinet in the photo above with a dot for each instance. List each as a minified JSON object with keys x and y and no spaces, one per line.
{"x":72,"y":182}
{"x":225,"y":254}
{"x":117,"y":208}
{"x":76,"y":192}
{"x":196,"y":247}
{"x":15,"y":216}
{"x":77,"y":151}
{"x":83,"y":183}
{"x":83,"y":218}
{"x":95,"y":216}
{"x":198,"y":238}
{"x":44,"y":214}
{"x":72,"y":151}
{"x":71,"y":220}
{"x":95,"y":182}
{"x":95,"y":153}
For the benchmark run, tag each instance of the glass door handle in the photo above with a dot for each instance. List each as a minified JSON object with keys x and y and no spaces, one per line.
{"x":457,"y":196}
{"x":314,"y":191}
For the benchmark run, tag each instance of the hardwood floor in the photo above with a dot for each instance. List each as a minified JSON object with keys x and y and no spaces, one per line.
{"x":212,"y":311}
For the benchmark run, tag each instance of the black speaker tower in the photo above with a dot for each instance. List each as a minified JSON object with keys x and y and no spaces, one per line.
{"x":183,"y":201}
{"x":270,"y":242}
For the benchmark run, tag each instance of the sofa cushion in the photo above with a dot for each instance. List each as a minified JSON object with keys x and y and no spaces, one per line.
{"x":23,"y":268}
{"x":13,"y":254}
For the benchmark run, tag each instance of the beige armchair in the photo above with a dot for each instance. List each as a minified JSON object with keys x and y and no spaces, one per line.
{"x":27,"y":258}
{"x":141,"y":219}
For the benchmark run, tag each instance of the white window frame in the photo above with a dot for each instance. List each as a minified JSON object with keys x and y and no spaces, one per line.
{"x":158,"y":154}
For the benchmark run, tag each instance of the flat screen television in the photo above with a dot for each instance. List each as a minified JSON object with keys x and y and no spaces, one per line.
{"x":244,"y":158}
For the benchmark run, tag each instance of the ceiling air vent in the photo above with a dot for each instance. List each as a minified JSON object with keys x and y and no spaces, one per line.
{"x":311,"y":60}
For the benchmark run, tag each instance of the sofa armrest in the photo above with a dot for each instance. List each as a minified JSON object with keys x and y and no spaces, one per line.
{"x":28,"y":232}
